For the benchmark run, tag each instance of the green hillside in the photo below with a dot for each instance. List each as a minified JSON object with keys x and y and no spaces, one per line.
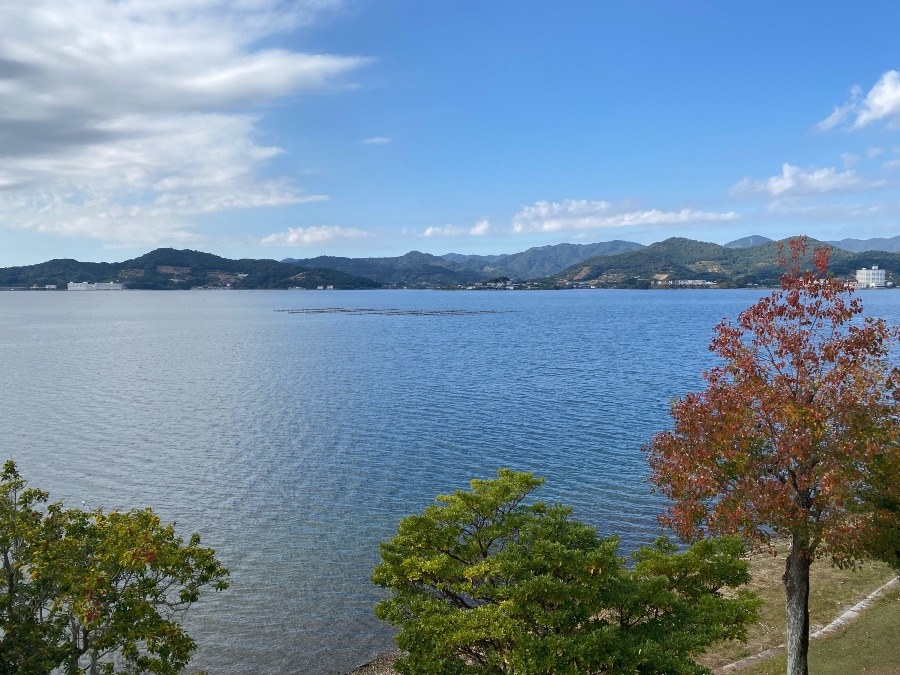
{"x":619,"y":264}
{"x":679,"y":259}
{"x":168,"y":268}
{"x":413,"y":269}
{"x":540,"y":261}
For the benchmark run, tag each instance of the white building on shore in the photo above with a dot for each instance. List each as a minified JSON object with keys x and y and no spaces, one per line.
{"x":873,"y":278}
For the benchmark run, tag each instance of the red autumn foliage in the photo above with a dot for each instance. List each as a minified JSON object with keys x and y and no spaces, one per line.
{"x":791,"y":434}
{"x":781,"y":439}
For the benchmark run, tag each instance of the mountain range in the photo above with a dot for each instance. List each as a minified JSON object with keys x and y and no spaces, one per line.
{"x":417,"y":268}
{"x":748,"y":261}
{"x":733,"y":265}
{"x":888,"y":245}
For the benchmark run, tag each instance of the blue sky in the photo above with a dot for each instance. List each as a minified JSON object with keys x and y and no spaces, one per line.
{"x":273,"y":129}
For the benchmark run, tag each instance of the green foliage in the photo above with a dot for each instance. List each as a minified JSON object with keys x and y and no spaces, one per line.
{"x":880,"y":498}
{"x":92,"y":589}
{"x":483,"y":582}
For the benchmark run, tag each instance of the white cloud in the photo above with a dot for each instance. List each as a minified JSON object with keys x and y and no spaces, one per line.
{"x":376,"y":140}
{"x":882,"y":103}
{"x":849,"y":159}
{"x":125,"y":120}
{"x":582,"y":214}
{"x":840,"y":114}
{"x":480,"y":228}
{"x":796,"y":181}
{"x":444,"y":231}
{"x":307,"y":236}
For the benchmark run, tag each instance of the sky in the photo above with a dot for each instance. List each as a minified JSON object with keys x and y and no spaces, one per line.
{"x":298,"y":128}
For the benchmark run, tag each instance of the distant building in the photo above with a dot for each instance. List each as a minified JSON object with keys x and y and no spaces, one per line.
{"x":873,"y":278}
{"x":86,"y":286}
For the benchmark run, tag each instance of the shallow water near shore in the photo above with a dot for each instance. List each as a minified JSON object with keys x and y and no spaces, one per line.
{"x":295,"y":441}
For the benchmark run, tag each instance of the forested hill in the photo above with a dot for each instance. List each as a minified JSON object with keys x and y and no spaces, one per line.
{"x":685,"y":259}
{"x":412,"y":269}
{"x":168,"y":268}
{"x":415,"y":268}
{"x":613,"y":264}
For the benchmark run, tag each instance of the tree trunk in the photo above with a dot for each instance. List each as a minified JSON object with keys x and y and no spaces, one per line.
{"x":796,"y":586}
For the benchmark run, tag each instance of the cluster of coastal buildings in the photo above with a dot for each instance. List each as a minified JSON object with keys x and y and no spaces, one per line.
{"x":86,"y":286}
{"x":865,"y":278}
{"x":873,"y":277}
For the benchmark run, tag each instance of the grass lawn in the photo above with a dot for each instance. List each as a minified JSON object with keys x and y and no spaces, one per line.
{"x":868,"y":645}
{"x":832,"y":591}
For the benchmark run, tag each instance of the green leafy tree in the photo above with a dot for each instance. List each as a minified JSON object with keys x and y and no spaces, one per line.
{"x":94,"y":592}
{"x":483,"y":582}
{"x":796,"y":435}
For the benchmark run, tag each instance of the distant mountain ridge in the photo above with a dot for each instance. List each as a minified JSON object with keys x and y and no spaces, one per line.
{"x":417,"y":268}
{"x":890,"y":245}
{"x":540,"y":261}
{"x":412,"y":269}
{"x":751,"y":260}
{"x":748,"y":242}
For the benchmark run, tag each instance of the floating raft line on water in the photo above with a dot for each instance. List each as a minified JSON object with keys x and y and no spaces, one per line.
{"x":389,"y":312}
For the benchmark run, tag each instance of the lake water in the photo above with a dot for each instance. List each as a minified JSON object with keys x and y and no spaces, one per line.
{"x":294,"y":442}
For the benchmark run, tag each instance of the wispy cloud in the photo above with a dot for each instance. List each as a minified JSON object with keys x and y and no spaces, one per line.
{"x":126,"y":120}
{"x":376,"y":140}
{"x":574,"y":214}
{"x":866,"y":215}
{"x":881,"y":103}
{"x":480,"y":228}
{"x":308,"y":236}
{"x":842,"y":113}
{"x":849,"y":159}
{"x":794,"y":181}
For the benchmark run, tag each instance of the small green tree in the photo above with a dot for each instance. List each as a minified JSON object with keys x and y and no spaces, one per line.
{"x":483,"y":582}
{"x":92,"y":591}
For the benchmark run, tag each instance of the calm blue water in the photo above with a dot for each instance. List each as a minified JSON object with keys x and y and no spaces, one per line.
{"x":295,"y":442}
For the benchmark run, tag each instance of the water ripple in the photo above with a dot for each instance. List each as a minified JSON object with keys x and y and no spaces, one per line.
{"x":294,"y":444}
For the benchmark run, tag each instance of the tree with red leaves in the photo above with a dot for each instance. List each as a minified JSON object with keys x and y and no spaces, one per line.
{"x":785,"y":440}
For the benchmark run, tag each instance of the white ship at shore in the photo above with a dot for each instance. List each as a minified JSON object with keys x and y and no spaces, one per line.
{"x":87,"y":286}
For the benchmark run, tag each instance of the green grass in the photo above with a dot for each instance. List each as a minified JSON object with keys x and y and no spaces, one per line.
{"x":832,"y":591}
{"x":868,"y":645}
